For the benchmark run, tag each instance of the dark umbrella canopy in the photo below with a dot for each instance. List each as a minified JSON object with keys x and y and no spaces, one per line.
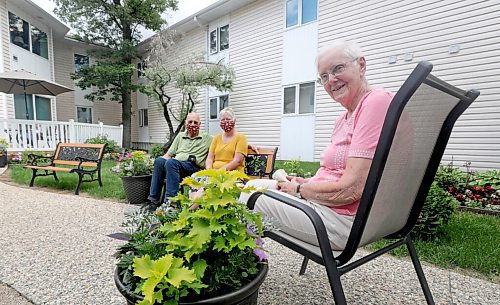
{"x":24,"y":82}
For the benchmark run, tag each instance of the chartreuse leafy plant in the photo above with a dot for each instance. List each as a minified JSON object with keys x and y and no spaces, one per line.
{"x":207,"y":246}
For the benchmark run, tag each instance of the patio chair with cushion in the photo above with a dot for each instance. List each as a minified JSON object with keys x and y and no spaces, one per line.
{"x":414,"y":136}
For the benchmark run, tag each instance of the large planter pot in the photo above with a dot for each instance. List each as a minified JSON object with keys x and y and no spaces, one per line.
{"x":247,"y":295}
{"x":3,"y":158}
{"x":137,"y":188}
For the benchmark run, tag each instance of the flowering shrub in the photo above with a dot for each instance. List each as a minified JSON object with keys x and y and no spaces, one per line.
{"x":14,"y":157}
{"x":187,"y":253}
{"x":471,"y":189}
{"x":112,"y":156}
{"x":136,"y":163}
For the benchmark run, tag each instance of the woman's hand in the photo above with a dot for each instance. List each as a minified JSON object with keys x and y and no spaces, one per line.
{"x":298,"y":180}
{"x":288,"y":187}
{"x":254,"y":148}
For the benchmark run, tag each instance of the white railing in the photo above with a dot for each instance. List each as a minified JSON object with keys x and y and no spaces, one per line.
{"x":44,"y":135}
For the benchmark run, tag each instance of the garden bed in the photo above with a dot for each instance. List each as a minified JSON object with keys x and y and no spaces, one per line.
{"x":480,"y":211}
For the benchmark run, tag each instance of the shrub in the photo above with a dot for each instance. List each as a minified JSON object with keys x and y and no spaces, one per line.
{"x":111,"y":148}
{"x":448,"y":176}
{"x":294,"y":168}
{"x":156,"y":151}
{"x":438,"y":208}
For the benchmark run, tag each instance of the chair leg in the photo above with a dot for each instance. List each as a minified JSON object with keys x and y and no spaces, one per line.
{"x":420,"y":272}
{"x":336,"y":284}
{"x":33,"y":177}
{"x":304,"y":266}
{"x":55,"y":176}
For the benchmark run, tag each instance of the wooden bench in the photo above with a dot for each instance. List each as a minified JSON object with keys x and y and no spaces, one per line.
{"x":260,"y":165}
{"x":85,"y":159}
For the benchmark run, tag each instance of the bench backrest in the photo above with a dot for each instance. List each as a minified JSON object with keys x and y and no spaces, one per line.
{"x":261,"y":164}
{"x":66,"y":154}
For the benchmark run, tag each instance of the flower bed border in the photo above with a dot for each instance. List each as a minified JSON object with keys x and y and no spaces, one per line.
{"x":479,"y":211}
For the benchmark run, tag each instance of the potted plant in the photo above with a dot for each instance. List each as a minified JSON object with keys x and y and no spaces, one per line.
{"x":135,"y":169}
{"x":3,"y":152}
{"x":206,"y":250}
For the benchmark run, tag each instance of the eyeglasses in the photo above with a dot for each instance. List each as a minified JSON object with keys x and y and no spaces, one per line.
{"x":334,"y":71}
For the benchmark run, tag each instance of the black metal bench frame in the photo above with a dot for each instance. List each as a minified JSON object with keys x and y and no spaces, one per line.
{"x":73,"y":154}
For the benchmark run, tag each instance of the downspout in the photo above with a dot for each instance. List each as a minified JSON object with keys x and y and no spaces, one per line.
{"x":207,"y":106}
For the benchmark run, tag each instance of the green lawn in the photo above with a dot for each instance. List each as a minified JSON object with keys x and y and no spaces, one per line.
{"x":112,"y":184}
{"x":471,"y":241}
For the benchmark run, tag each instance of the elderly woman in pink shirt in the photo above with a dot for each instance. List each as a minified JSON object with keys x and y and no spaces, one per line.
{"x":335,"y":190}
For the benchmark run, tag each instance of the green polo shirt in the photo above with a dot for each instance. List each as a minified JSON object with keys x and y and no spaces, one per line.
{"x":184,"y":146}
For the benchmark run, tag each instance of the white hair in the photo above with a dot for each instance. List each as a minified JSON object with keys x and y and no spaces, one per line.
{"x":229,"y":111}
{"x":349,"y":48}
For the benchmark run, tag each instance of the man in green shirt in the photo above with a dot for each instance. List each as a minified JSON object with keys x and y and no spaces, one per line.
{"x":186,"y":156}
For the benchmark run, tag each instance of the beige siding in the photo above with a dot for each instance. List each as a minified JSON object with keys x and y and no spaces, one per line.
{"x":426,"y":29}
{"x":63,"y":68}
{"x":256,"y":42}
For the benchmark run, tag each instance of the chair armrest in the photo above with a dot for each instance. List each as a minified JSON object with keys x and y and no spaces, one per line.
{"x":33,"y":159}
{"x":319,"y":226}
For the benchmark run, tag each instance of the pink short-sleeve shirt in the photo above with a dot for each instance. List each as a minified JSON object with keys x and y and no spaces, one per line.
{"x":354,"y":137}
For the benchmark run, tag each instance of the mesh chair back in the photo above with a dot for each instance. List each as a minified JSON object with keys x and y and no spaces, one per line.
{"x":420,"y":117}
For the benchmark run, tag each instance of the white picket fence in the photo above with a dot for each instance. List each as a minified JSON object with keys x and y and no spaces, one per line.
{"x":44,"y":135}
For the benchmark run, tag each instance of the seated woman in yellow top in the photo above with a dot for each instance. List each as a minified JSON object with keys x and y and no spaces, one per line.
{"x":229,"y":148}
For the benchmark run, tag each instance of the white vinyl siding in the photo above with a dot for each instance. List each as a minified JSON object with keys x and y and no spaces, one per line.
{"x":192,"y":43}
{"x":426,"y":29}
{"x":256,"y":56}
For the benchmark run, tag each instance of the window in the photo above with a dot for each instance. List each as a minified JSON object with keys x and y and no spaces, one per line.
{"x":213,"y":41}
{"x":39,"y":42}
{"x":24,"y":109}
{"x":216,"y":104}
{"x":303,"y":10}
{"x":141,"y":66}
{"x":20,"y":33}
{"x":143,"y":117}
{"x":224,"y":37}
{"x":305,"y":102}
{"x":84,"y":114}
{"x":81,"y":61}
{"x":219,"y":39}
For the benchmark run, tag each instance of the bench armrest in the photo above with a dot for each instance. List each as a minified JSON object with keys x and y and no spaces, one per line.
{"x":82,"y":159}
{"x":33,"y":159}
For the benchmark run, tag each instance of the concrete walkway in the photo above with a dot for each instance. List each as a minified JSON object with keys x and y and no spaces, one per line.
{"x":54,"y":249}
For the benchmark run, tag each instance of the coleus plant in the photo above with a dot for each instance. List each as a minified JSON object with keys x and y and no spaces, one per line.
{"x":207,"y":246}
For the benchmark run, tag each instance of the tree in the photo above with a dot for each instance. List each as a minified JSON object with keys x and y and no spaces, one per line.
{"x":187,"y":79}
{"x":114,"y":25}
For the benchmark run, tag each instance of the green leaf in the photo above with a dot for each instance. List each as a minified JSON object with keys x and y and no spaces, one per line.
{"x":200,"y":233}
{"x":177,"y":275}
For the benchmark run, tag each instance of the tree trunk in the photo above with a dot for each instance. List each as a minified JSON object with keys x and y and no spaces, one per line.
{"x":126,"y":121}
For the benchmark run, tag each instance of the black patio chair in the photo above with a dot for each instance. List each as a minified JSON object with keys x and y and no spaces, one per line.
{"x":414,"y":136}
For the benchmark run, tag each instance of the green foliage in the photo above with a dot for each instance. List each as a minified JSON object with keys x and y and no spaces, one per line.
{"x":25,"y":155}
{"x":110,"y":148}
{"x":491,"y":178}
{"x":156,"y":151}
{"x":448,"y":175}
{"x":295,"y":168}
{"x":3,"y":144}
{"x":436,"y":212}
{"x":114,"y":25}
{"x":136,"y":163}
{"x":207,"y":246}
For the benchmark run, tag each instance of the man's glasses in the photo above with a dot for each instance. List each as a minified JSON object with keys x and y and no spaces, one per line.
{"x":334,"y":71}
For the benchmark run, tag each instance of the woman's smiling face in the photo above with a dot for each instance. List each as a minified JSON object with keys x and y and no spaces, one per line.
{"x":343,"y":75}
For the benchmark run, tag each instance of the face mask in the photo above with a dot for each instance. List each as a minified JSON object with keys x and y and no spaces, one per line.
{"x":193,"y":129}
{"x":227,"y":126}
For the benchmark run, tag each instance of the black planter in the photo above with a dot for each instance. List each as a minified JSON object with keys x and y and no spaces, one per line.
{"x":137,"y":188}
{"x":247,"y":295}
{"x":3,"y":158}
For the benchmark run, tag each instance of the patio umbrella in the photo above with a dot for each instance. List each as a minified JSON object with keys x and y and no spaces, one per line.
{"x":24,"y":82}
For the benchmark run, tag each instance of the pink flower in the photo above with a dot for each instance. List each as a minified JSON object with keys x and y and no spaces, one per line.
{"x":260,"y":254}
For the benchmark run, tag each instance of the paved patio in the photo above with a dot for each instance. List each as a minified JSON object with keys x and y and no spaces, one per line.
{"x":55,"y":250}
